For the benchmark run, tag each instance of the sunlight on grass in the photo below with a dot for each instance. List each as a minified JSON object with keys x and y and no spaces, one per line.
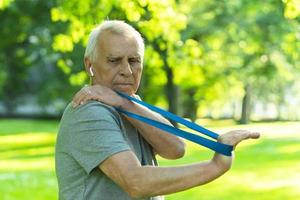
{"x":16,"y":126}
{"x":290,"y":182}
{"x":264,"y":169}
{"x":27,"y":160}
{"x":28,"y":185}
{"x":268,"y":130}
{"x":215,"y":123}
{"x":27,"y":151}
{"x":295,"y":148}
{"x":26,"y":140}
{"x":27,"y":164}
{"x":24,"y":153}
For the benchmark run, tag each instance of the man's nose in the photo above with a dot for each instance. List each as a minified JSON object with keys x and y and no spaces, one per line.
{"x":126,"y":69}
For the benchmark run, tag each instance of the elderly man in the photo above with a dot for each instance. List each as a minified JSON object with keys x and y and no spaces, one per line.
{"x":101,"y":154}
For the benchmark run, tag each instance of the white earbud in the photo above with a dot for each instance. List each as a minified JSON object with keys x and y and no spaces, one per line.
{"x":91,"y":71}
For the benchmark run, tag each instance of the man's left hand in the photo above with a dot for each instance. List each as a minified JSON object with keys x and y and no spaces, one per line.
{"x":98,"y":93}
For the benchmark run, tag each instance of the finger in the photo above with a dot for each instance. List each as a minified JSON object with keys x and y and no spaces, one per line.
{"x":254,"y":135}
{"x":80,"y":99}
{"x":84,"y":93}
{"x":79,"y":95}
{"x":249,"y":135}
{"x":241,"y":135}
{"x":77,"y":100}
{"x":89,"y":96}
{"x":85,"y":99}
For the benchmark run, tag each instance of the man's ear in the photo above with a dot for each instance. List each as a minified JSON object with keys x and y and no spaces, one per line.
{"x":88,"y":66}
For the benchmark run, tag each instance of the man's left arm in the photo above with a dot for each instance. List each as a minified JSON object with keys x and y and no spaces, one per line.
{"x":166,"y":145}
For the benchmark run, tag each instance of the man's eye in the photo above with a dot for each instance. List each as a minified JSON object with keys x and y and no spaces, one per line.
{"x":134,"y":61}
{"x":113,"y":60}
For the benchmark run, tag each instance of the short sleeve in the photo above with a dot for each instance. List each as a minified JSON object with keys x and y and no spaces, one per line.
{"x":97,"y":135}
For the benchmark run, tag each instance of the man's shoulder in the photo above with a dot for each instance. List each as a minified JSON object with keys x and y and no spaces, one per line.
{"x":91,"y":109}
{"x":95,"y":106}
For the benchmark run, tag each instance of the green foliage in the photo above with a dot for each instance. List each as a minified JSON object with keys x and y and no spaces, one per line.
{"x":242,"y":42}
{"x":27,"y":60}
{"x":4,"y":4}
{"x":199,"y":55}
{"x":292,"y":9}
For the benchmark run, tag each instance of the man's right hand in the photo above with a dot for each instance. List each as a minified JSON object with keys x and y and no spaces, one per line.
{"x":235,"y":137}
{"x":232,"y":138}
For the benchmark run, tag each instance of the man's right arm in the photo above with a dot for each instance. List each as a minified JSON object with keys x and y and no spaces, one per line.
{"x":144,"y":181}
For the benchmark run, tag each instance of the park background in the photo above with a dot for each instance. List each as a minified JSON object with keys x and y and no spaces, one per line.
{"x":224,"y":64}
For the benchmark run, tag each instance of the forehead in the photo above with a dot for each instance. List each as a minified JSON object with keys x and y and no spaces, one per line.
{"x":112,"y":44}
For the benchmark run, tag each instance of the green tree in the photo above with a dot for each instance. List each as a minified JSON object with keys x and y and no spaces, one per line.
{"x":28,"y":63}
{"x":242,"y":41}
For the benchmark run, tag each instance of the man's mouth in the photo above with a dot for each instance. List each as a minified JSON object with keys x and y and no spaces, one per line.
{"x":123,"y":84}
{"x":124,"y":87}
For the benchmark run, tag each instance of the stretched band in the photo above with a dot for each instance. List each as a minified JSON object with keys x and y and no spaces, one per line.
{"x":213,"y":145}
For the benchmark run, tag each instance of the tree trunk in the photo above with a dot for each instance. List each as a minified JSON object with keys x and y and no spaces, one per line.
{"x":279,"y":104}
{"x":246,"y":106}
{"x":171,"y":92}
{"x":190,"y":105}
{"x":171,"y":89}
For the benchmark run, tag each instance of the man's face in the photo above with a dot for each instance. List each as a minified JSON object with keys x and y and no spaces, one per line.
{"x":119,"y":63}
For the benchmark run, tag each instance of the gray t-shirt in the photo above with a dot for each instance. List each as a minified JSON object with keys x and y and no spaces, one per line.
{"x":87,"y":136}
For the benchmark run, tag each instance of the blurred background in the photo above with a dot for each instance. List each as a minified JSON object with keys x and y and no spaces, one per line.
{"x":223,"y":64}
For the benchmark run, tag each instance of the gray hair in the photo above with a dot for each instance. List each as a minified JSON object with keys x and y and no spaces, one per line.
{"x":115,"y":26}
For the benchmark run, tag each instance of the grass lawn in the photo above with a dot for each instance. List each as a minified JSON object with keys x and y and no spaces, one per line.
{"x":265,"y":169}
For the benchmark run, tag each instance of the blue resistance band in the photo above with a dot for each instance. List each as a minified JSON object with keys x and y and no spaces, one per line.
{"x":213,"y":145}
